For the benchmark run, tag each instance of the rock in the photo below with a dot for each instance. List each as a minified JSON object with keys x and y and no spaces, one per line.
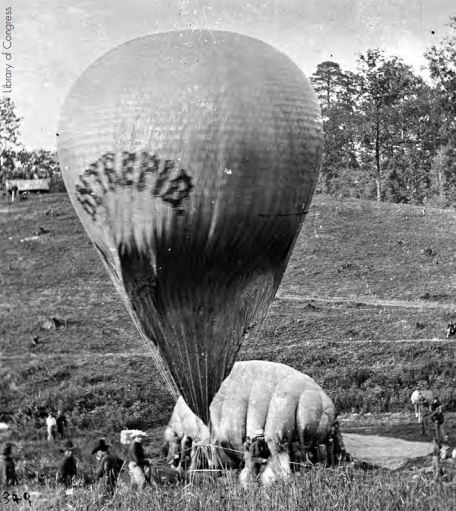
{"x":47,"y":324}
{"x":41,"y":231}
{"x":52,"y":322}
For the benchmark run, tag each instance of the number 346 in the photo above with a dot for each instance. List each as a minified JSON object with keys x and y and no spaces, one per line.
{"x":12,"y":497}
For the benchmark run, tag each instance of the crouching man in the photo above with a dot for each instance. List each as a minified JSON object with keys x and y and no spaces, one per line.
{"x":259,"y":453}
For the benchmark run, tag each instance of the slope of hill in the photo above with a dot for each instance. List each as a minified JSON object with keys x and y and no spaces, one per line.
{"x":362,"y":308}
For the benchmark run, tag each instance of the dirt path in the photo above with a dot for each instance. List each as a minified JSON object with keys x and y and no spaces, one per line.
{"x":365,"y":300}
{"x":8,"y":358}
{"x":383,"y":451}
{"x":4,"y":358}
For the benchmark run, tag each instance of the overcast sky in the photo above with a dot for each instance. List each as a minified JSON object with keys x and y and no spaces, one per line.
{"x":55,"y":40}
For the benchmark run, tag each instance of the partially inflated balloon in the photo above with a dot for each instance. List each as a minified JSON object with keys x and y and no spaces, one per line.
{"x":191,"y":158}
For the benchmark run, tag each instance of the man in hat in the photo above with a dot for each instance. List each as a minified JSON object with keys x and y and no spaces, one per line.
{"x":108,"y":467}
{"x":137,"y":461}
{"x":259,"y":452}
{"x":61,"y":424}
{"x":7,"y":470}
{"x":438,"y":419}
{"x":68,"y":468}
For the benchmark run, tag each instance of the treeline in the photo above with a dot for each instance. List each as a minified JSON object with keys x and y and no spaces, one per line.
{"x":37,"y":164}
{"x":390,"y":135}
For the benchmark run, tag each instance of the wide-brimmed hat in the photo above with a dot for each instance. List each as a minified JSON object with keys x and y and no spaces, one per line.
{"x":259,"y":432}
{"x":101,"y":446}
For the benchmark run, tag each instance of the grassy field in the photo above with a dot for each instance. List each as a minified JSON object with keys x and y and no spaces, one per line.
{"x":362,"y":308}
{"x":317,"y":490}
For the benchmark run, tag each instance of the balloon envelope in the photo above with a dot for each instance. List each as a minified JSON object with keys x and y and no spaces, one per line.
{"x":191,"y":159}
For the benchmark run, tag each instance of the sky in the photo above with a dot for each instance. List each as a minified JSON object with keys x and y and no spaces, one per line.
{"x":53,"y":41}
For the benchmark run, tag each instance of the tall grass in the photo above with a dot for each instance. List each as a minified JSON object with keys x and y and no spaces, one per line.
{"x":319,"y":489}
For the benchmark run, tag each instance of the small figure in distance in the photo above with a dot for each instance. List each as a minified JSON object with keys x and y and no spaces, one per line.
{"x":450,"y":330}
{"x":61,"y":424}
{"x":51,"y":425}
{"x":7,"y":469}
{"x":438,"y":418}
{"x":422,"y":402}
{"x":68,"y":469}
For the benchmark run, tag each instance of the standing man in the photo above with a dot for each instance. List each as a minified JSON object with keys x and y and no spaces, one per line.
{"x":438,"y":419}
{"x":259,"y":453}
{"x":68,"y":468}
{"x":51,"y":425}
{"x":61,"y":424}
{"x":7,"y":470}
{"x":108,"y":467}
{"x":137,"y":461}
{"x":422,"y":402}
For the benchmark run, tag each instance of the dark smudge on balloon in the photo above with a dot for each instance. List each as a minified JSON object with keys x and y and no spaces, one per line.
{"x":171,"y":184}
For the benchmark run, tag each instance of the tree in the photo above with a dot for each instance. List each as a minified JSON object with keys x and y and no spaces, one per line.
{"x":41,"y":162}
{"x":9,"y":136}
{"x":385,"y":85}
{"x":442,"y":66}
{"x":336,"y":91}
{"x":328,"y":82}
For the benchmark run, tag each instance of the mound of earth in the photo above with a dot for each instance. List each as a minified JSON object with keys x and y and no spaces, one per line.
{"x":382,"y":451}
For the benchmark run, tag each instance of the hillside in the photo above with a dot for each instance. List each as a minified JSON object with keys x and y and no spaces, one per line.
{"x":362,"y":308}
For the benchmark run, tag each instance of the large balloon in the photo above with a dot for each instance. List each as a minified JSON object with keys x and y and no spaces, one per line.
{"x":191,"y":159}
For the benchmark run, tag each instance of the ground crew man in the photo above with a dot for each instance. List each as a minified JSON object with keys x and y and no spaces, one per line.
{"x":259,"y":453}
{"x":68,"y":469}
{"x":137,"y":461}
{"x":108,"y":467}
{"x":7,"y":470}
{"x":186,"y":455}
{"x":174,"y":451}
